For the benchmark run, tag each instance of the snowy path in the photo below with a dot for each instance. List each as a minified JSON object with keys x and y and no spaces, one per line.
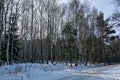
{"x":102,"y":73}
{"x":80,"y":77}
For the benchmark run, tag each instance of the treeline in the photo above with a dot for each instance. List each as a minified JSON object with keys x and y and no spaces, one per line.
{"x":44,"y":30}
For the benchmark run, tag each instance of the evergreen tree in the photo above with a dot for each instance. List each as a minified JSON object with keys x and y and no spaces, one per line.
{"x":105,"y":31}
{"x":101,"y":24}
{"x":11,"y":36}
{"x":90,"y":55}
{"x":70,"y":46}
{"x":107,"y":34}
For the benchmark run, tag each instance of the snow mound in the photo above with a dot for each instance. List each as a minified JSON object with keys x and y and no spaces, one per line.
{"x":36,"y":71}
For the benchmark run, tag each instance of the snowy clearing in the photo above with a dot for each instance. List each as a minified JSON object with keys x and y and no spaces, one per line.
{"x":58,"y":72}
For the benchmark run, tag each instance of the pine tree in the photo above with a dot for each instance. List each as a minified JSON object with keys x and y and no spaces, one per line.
{"x":107,"y":34}
{"x":101,"y":24}
{"x":12,"y":38}
{"x":70,"y":46}
{"x":90,"y":54}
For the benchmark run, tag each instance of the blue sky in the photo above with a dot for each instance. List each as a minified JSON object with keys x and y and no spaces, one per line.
{"x":105,"y":6}
{"x":102,"y":5}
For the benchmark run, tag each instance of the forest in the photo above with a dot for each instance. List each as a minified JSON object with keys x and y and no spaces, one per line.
{"x":44,"y":31}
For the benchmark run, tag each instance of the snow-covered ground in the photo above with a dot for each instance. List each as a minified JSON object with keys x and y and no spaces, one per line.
{"x":58,"y":72}
{"x":111,"y":72}
{"x":37,"y":71}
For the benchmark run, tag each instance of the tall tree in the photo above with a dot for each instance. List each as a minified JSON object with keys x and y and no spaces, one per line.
{"x":2,"y":11}
{"x":12,"y":38}
{"x":101,"y":24}
{"x":71,"y":49}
